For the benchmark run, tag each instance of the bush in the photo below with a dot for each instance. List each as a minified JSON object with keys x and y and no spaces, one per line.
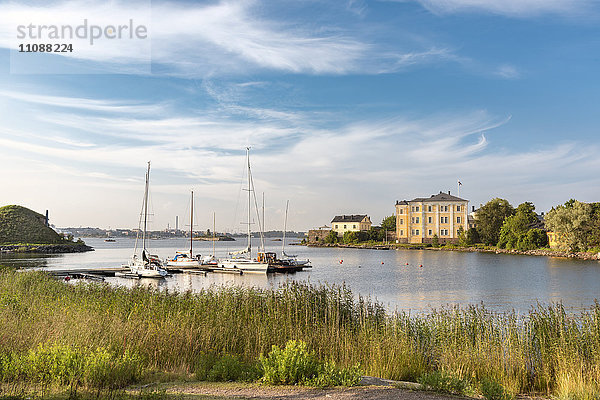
{"x":230,"y":369}
{"x":440,"y":381}
{"x":296,"y":365}
{"x":289,"y":366}
{"x":492,"y":390}
{"x":227,"y":368}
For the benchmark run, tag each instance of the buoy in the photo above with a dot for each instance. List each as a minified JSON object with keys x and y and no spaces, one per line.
{"x":382,"y":263}
{"x":341,"y":261}
{"x":406,"y":263}
{"x":421,"y":265}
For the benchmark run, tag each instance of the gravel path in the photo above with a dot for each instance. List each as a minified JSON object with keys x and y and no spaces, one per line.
{"x":233,"y":391}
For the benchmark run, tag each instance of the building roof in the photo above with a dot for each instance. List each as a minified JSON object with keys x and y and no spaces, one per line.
{"x":349,"y":218}
{"x":434,"y":197}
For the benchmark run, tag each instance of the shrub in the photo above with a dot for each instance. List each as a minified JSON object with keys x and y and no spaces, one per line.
{"x":296,"y":365}
{"x":292,"y":365}
{"x":492,"y":390}
{"x":440,"y":381}
{"x":230,"y":369}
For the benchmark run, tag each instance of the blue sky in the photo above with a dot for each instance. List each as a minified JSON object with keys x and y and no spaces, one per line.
{"x":348,"y":106}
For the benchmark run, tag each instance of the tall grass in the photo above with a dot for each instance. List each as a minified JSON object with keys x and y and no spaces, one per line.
{"x":545,"y":351}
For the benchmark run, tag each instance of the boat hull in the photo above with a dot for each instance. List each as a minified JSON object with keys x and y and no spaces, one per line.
{"x":244,"y":265}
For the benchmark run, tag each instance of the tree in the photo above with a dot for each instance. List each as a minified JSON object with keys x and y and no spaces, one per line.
{"x":514,"y":233}
{"x":473,"y":236}
{"x":573,"y":224}
{"x":463,"y":239}
{"x":490,"y":218}
{"x":376,"y":234}
{"x":435,"y":241}
{"x":331,"y":238}
{"x":350,"y":237}
{"x":389,"y":223}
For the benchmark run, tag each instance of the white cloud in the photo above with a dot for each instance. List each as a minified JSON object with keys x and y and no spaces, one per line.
{"x":513,"y":8}
{"x":205,"y":40}
{"x":357,"y":165}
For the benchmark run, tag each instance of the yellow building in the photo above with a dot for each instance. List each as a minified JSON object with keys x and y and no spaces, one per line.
{"x":420,"y":219}
{"x":350,"y":223}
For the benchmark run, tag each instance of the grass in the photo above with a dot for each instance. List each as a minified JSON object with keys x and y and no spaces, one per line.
{"x":21,"y":225}
{"x":142,"y":330}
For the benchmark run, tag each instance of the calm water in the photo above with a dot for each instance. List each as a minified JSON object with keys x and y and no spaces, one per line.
{"x":501,"y":282}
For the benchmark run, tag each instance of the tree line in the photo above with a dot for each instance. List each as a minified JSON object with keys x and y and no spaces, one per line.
{"x":576,"y":224}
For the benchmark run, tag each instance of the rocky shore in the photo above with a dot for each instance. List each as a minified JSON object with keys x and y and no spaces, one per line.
{"x":538,"y":252}
{"x":45,"y":248}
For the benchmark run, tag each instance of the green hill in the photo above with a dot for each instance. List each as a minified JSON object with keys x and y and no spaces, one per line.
{"x":21,"y":225}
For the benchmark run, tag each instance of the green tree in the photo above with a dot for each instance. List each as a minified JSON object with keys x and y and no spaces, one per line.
{"x":490,"y":218}
{"x":573,"y":223}
{"x":389,"y":223}
{"x":515,"y":229}
{"x":376,"y":234}
{"x":350,"y":237}
{"x":472,"y":236}
{"x":463,"y":238}
{"x":331,"y":238}
{"x":435,"y":241}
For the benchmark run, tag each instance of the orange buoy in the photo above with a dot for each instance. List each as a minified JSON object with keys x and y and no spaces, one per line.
{"x":406,"y":263}
{"x":341,"y":261}
{"x":382,"y":263}
{"x":421,"y":265}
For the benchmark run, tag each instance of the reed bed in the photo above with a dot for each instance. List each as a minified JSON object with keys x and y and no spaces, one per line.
{"x":545,"y":351}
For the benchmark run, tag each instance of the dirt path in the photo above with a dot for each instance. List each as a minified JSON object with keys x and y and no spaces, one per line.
{"x":236,"y":391}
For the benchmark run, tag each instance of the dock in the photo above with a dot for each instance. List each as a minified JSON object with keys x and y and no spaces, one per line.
{"x":99,"y":274}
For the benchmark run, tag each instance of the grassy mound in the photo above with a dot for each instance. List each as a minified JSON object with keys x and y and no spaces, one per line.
{"x":21,"y":225}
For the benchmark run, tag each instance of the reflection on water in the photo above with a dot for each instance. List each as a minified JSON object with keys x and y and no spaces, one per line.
{"x":413,"y":279}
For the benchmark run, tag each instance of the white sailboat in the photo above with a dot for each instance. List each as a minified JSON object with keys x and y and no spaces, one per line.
{"x":148,"y":265}
{"x":291,"y":259}
{"x":184,"y":259}
{"x":242,"y":260}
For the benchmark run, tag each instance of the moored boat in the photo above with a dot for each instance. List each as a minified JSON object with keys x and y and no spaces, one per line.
{"x":148,"y":265}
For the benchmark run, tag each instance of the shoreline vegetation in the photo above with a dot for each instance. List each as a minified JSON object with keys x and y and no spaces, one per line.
{"x":546,"y":252}
{"x":73,"y":247}
{"x":103,"y":339}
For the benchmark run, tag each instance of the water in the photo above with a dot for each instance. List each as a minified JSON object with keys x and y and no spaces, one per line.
{"x":501,"y":282}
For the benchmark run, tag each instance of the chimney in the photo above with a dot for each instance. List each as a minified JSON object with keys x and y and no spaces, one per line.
{"x":473,"y":208}
{"x":176,"y":223}
{"x":47,"y":218}
{"x":448,"y":192}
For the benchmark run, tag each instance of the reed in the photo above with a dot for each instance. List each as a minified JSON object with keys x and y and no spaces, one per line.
{"x":544,"y":351}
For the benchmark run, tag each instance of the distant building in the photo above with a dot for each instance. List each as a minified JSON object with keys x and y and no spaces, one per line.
{"x":420,"y":219}
{"x":350,"y":223}
{"x":319,"y":234}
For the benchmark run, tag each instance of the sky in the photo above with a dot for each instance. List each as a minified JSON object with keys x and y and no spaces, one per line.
{"x":347,"y":106}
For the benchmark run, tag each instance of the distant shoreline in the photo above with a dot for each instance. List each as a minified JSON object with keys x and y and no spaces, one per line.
{"x":537,"y":252}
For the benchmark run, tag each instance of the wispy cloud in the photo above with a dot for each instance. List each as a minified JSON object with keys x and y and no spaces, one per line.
{"x":200,"y":40}
{"x":109,"y":106}
{"x":352,"y":161}
{"x":512,"y":8}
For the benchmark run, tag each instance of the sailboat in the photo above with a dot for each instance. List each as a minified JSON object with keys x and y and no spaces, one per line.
{"x":148,"y":265}
{"x":184,"y":259}
{"x":242,"y":260}
{"x":290,"y":259}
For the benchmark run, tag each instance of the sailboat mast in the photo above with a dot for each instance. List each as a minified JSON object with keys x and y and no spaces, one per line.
{"x":214,"y":217}
{"x":146,"y":208}
{"x":287,"y":203}
{"x":249,"y":204}
{"x":192,"y":226}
